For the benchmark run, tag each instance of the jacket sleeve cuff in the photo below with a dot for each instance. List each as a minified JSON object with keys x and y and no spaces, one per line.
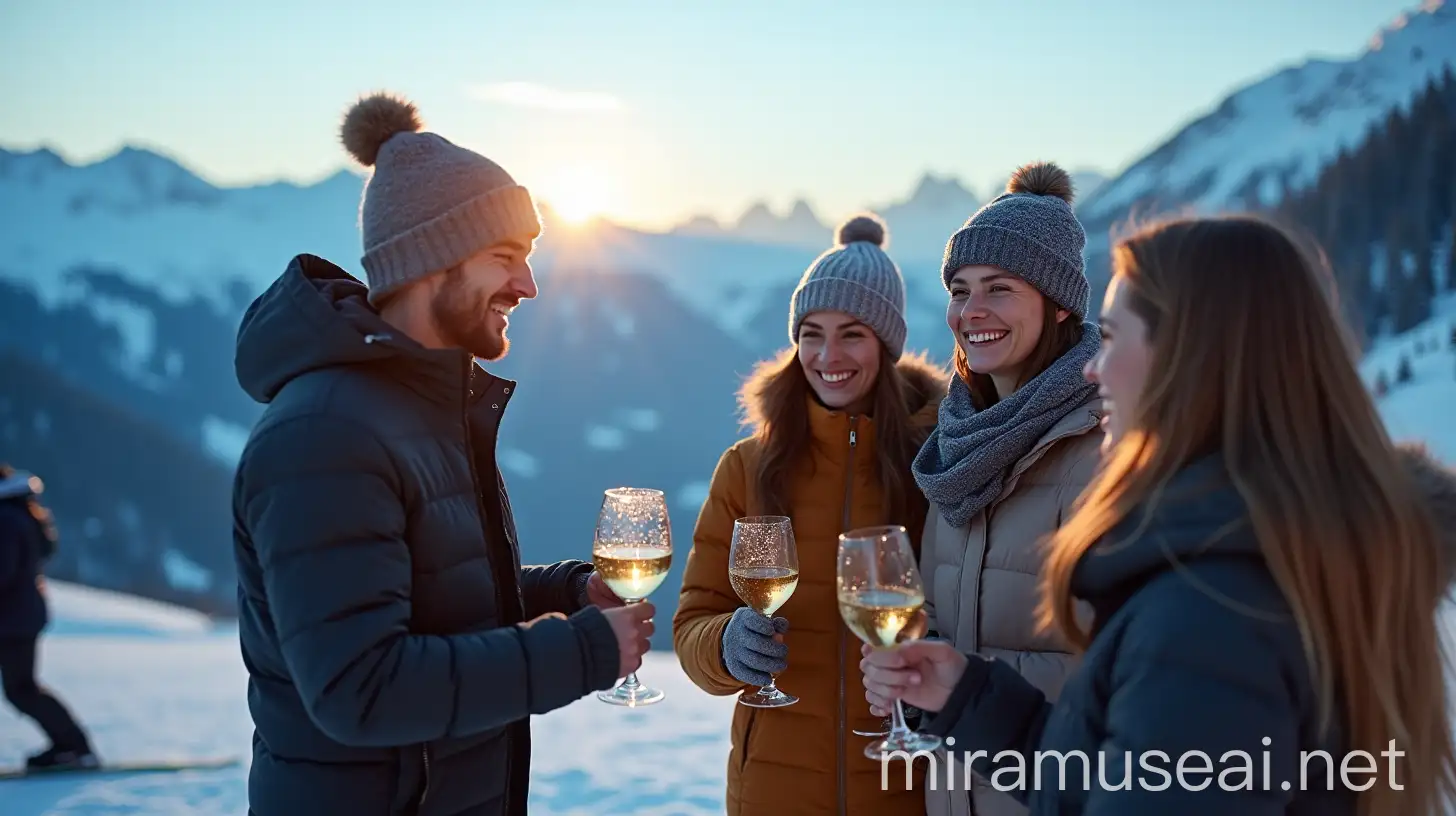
{"x":599,"y":648}
{"x":579,"y":581}
{"x":709,"y":663}
{"x":941,"y":723}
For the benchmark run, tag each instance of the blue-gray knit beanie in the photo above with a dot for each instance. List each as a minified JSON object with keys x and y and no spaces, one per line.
{"x":429,"y":204}
{"x":855,"y":277}
{"x":1031,"y":232}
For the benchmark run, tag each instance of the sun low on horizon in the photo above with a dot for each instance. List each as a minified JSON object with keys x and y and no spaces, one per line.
{"x":579,"y":193}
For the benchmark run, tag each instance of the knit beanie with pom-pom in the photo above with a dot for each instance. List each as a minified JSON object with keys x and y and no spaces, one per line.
{"x":855,"y":277}
{"x":1031,"y":232}
{"x":428,"y":204}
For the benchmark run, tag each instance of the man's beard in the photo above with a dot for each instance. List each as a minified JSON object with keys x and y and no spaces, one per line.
{"x":465,"y":321}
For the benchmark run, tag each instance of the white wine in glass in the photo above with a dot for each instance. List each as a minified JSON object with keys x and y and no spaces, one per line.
{"x":914,"y":630}
{"x":763,"y":567}
{"x":632,"y":552}
{"x":880,"y":599}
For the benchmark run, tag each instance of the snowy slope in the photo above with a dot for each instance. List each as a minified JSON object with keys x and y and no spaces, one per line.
{"x":155,"y":681}
{"x":1424,"y":408}
{"x":1284,"y":128}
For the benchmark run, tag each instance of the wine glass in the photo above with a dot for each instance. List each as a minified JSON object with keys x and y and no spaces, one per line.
{"x":632,"y":553}
{"x":880,"y":596}
{"x":763,"y":567}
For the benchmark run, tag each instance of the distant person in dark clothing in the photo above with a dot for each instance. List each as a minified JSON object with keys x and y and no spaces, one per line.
{"x":27,"y":541}
{"x":395,"y":646}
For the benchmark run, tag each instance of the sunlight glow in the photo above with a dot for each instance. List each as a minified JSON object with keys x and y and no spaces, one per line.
{"x":579,"y":194}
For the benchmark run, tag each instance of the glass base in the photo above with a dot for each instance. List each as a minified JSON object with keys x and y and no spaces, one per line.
{"x":631,"y":696}
{"x":909,"y":743}
{"x":767,"y":698}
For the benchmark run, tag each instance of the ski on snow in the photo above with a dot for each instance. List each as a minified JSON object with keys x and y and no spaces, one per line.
{"x":123,"y":767}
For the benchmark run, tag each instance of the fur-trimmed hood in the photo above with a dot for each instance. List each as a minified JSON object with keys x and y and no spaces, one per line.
{"x":927,"y":385}
{"x":1436,"y":483}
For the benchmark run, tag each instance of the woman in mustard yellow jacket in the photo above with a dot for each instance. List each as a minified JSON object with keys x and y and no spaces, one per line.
{"x":836,"y":420}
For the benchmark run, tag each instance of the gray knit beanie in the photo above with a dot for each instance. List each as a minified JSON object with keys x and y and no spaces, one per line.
{"x":429,"y":204}
{"x":858,"y":278}
{"x":1029,"y":231}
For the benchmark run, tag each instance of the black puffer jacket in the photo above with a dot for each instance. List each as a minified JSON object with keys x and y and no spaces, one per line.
{"x":395,"y":647}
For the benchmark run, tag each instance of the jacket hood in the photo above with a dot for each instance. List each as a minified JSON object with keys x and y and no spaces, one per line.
{"x":1203,"y":514}
{"x":926,"y":384}
{"x":1200,"y":514}
{"x":314,"y":316}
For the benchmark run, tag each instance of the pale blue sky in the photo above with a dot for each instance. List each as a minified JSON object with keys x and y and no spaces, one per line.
{"x":674,"y":107}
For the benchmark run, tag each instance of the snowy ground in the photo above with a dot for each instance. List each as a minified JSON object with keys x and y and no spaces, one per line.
{"x":151,"y":681}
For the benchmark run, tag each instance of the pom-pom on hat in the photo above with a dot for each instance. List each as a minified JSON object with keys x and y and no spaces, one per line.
{"x":857,"y":277}
{"x":1031,"y":232}
{"x":428,"y":204}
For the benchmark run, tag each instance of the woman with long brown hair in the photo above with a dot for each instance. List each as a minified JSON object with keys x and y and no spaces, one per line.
{"x":836,"y":419}
{"x":1261,"y":561}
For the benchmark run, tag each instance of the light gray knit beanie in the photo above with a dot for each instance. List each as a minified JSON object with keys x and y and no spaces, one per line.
{"x":1031,"y":232}
{"x":855,"y":277}
{"x":429,"y":204}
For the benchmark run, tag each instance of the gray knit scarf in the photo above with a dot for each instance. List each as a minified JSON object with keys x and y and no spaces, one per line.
{"x":964,"y":464}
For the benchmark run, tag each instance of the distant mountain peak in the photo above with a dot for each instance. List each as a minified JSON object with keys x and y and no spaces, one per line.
{"x":933,"y":188}
{"x":802,"y":210}
{"x":1429,"y":12}
{"x":919,"y":224}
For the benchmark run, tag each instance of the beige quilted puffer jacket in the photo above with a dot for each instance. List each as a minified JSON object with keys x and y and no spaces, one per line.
{"x":981,"y":584}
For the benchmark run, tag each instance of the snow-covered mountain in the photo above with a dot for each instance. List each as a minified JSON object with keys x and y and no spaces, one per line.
{"x":799,"y":227}
{"x":1277,"y":133}
{"x":919,"y":224}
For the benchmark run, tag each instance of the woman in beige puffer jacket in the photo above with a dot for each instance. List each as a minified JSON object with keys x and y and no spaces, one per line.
{"x":1018,"y":440}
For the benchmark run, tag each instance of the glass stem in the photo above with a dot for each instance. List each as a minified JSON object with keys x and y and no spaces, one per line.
{"x":898,"y":728}
{"x":630,"y":683}
{"x":770,"y":688}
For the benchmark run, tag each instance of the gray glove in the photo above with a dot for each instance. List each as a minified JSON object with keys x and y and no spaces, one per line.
{"x":750,"y":653}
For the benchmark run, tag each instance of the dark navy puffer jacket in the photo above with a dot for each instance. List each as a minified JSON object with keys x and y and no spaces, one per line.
{"x":395,"y":646}
{"x":1195,"y":658}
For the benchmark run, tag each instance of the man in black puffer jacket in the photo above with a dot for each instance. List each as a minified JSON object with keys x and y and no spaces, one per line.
{"x":395,"y":645}
{"x":27,"y":541}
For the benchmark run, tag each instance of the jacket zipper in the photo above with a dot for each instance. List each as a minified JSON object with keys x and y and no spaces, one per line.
{"x":843,"y":646}
{"x":485,"y":533}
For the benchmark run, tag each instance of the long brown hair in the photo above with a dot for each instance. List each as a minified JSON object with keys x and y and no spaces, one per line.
{"x":773,"y":402}
{"x":1249,"y":360}
{"x":1055,"y":340}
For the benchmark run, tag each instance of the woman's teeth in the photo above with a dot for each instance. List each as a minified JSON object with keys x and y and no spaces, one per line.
{"x":835,"y":377}
{"x":984,"y":337}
